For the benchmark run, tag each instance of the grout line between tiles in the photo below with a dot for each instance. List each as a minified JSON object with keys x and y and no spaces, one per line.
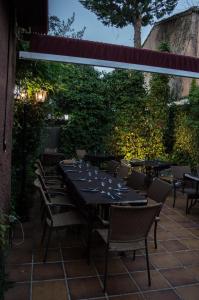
{"x":65,"y":276}
{"x":31,"y":277}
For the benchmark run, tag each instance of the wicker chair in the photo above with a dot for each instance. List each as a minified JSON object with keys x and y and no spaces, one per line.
{"x":158,"y":191}
{"x":123,"y":171}
{"x":57,"y":221}
{"x":185,"y":186}
{"x":48,"y":183}
{"x":128,"y":230}
{"x":111,"y":167}
{"x":49,"y":173}
{"x":137,"y":181}
{"x":57,"y":199}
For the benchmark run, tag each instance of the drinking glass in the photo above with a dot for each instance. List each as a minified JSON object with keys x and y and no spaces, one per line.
{"x":103,"y":187}
{"x":110,"y":182}
{"x":96,"y":173}
{"x":90,"y":175}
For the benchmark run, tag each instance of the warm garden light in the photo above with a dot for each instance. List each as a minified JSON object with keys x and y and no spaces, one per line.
{"x":40,"y":96}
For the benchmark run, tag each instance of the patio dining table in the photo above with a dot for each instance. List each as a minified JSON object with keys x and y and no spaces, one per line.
{"x":92,"y":188}
{"x":152,"y":167}
{"x":194,"y":179}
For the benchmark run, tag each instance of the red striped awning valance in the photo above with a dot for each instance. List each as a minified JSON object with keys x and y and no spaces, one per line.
{"x":102,"y":51}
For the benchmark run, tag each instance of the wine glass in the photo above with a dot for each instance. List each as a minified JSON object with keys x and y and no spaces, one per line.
{"x":103,"y":187}
{"x":110,"y":182}
{"x":119,"y":185}
{"x":90,"y":175}
{"x":96,"y":173}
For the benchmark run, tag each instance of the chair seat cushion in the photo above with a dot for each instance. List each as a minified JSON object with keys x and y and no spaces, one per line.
{"x":70,"y":218}
{"x":121,"y":246}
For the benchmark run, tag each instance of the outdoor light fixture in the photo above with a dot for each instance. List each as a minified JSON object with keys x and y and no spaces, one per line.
{"x":40,"y":96}
{"x":66,"y":117}
{"x":22,"y":94}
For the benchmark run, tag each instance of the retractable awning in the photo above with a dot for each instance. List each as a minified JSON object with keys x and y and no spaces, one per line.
{"x":68,"y":50}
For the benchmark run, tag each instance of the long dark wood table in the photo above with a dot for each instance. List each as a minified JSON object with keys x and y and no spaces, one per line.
{"x":89,"y":193}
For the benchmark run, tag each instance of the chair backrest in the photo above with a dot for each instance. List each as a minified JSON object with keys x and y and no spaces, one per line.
{"x":128,"y":223}
{"x":178,"y":171}
{"x":112,"y":166}
{"x":137,"y":180}
{"x":38,"y":185}
{"x":123,"y":171}
{"x":125,"y":162}
{"x":41,"y":179}
{"x":81,"y":153}
{"x":159,"y":190}
{"x":39,"y":166}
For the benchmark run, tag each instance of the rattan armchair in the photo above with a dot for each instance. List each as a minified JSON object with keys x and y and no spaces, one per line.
{"x":183,"y":185}
{"x":123,"y":171}
{"x":158,"y":191}
{"x":57,"y":221}
{"x":138,"y":181}
{"x":128,"y":230}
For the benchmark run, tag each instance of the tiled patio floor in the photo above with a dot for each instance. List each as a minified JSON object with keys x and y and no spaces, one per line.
{"x":66,"y":275}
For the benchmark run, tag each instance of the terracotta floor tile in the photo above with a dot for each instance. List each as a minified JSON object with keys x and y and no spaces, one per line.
{"x":195,"y":232}
{"x":73,"y":253}
{"x":165,"y":235}
{"x":171,"y":226}
{"x":120,"y":284}
{"x":188,"y":292}
{"x":135,"y":296}
{"x":25,"y":245}
{"x":183,"y":233}
{"x":19,"y":256}
{"x":79,"y":268}
{"x":191,"y":243}
{"x":161,"y":295}
{"x":189,"y":257}
{"x":188,"y":224}
{"x":195,"y":270}
{"x":19,"y":272}
{"x":18,"y":292}
{"x":115,"y":265}
{"x":49,"y":290}
{"x":139,"y":264}
{"x":179,"y":276}
{"x":53,"y":255}
{"x":157,"y":280}
{"x":164,"y":260}
{"x":173,"y":245}
{"x":48,"y":271}
{"x":85,"y":288}
{"x":151,"y":248}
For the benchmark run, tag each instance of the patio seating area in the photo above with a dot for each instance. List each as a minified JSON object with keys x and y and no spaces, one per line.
{"x":66,"y":274}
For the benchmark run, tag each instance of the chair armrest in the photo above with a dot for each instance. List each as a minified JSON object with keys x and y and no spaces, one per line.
{"x":53,"y":194}
{"x":62,"y":205}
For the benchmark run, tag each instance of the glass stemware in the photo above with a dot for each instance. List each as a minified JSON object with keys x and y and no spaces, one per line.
{"x":103,"y":187}
{"x":110,"y":182}
{"x":96,"y":173}
{"x":90,"y":175}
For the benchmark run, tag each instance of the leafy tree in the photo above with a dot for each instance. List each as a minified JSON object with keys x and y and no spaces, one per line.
{"x":157,"y":107}
{"x":137,"y":13}
{"x":126,"y":96}
{"x":64,"y":28}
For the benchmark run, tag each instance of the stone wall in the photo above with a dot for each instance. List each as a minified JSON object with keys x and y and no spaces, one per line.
{"x":7,"y":75}
{"x":182,"y":34}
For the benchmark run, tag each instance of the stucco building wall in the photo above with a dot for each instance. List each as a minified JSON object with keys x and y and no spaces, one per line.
{"x":182,"y":34}
{"x":7,"y":75}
